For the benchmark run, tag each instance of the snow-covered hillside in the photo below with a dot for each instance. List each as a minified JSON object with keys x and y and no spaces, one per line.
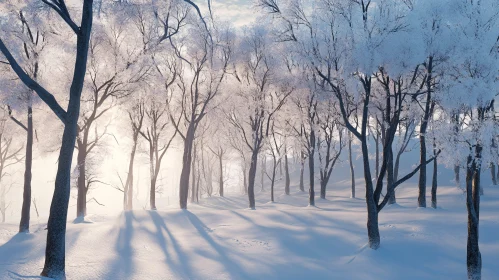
{"x":221,"y":239}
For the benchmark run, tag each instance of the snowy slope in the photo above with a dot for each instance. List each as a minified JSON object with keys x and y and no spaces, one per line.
{"x":221,"y":239}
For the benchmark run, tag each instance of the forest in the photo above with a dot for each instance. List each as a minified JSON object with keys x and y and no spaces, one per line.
{"x":249,"y":139}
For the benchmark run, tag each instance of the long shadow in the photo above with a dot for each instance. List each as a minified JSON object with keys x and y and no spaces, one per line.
{"x":308,"y":244}
{"x":18,"y":249}
{"x":123,"y":265}
{"x":14,"y":275}
{"x":23,"y":248}
{"x":234,"y":269}
{"x":181,"y":267}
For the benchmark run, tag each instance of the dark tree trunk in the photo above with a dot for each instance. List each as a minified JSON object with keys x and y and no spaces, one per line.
{"x":434,"y":182}
{"x":456,"y":175}
{"x":372,"y":212}
{"x":56,"y":235}
{"x":422,"y":173}
{"x":186,"y":167}
{"x":352,"y":170}
{"x":422,"y":132}
{"x":473,"y":257}
{"x":26,"y":208}
{"x":302,"y":169}
{"x":323,"y":189}
{"x":377,"y":153}
{"x":493,"y":173}
{"x":286,"y":171}
{"x":390,"y":180}
{"x":251,"y":179}
{"x":311,"y":191}
{"x":54,"y":266}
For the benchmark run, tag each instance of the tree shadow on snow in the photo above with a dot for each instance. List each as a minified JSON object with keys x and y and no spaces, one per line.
{"x":123,"y":265}
{"x":181,"y":267}
{"x":234,"y":269}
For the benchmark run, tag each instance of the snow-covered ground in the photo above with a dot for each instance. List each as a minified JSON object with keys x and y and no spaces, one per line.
{"x":221,"y":239}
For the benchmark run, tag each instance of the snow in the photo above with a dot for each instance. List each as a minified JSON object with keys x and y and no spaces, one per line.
{"x":221,"y":239}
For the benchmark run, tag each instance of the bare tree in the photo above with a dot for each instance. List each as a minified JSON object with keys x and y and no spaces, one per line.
{"x":329,"y":145}
{"x":195,"y":93}
{"x":55,"y":251}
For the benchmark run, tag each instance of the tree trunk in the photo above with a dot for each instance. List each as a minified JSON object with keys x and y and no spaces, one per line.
{"x":128,"y":191}
{"x":493,"y":173}
{"x":286,"y":171}
{"x":152,"y":190}
{"x":323,"y":189}
{"x":311,"y":191}
{"x":193,"y":173}
{"x":456,"y":175}
{"x":251,"y":179}
{"x":434,"y":183}
{"x":26,"y":207}
{"x":55,"y":253}
{"x":274,"y":168}
{"x":422,"y":133}
{"x":221,"y":178}
{"x":390,"y":180}
{"x":186,"y":167}
{"x":352,"y":170}
{"x":422,"y":173}
{"x":377,"y":153}
{"x":302,"y":169}
{"x":473,"y":256}
{"x":372,"y":212}
{"x":81,"y":201}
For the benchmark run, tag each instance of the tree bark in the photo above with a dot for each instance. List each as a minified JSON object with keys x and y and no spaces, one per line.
{"x":473,"y":256}
{"x":186,"y":167}
{"x":26,"y":207}
{"x":372,"y":212}
{"x":302,"y":169}
{"x":251,"y":179}
{"x":352,"y":170}
{"x":311,"y":152}
{"x":55,"y":253}
{"x":493,"y":173}
{"x":390,"y":180}
{"x":434,"y":182}
{"x":422,"y":137}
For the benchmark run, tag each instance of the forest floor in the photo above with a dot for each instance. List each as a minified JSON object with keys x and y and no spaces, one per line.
{"x":221,"y":239}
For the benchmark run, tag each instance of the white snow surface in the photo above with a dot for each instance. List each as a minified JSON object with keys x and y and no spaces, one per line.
{"x":221,"y":239}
